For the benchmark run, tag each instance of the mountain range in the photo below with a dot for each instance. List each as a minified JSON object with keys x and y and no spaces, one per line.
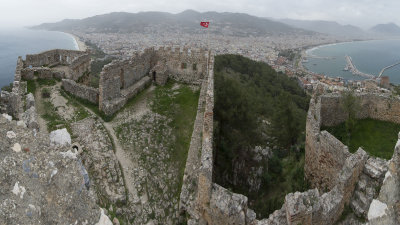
{"x":236,"y":24}
{"x":327,"y":27}
{"x":389,"y":29}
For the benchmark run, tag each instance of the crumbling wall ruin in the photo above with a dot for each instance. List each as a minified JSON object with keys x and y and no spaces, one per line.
{"x":52,"y":57}
{"x":119,"y":80}
{"x":82,"y":91}
{"x":74,"y":64}
{"x":14,"y":102}
{"x":338,"y":176}
{"x":79,"y":66}
{"x":77,"y":62}
{"x":327,"y":160}
{"x":41,"y":73}
{"x":325,"y":154}
{"x":376,"y":106}
{"x":385,"y":209}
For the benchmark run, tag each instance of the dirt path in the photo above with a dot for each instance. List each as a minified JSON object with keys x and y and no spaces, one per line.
{"x":40,"y":111}
{"x":126,"y":163}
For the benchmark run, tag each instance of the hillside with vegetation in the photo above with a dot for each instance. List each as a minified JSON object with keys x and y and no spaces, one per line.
{"x":184,"y":22}
{"x":258,"y":108}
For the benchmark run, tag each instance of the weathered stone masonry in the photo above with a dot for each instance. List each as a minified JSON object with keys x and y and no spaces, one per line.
{"x":325,"y":155}
{"x":331,"y":167}
{"x":348,"y":178}
{"x":77,"y":63}
{"x":121,"y":80}
{"x":81,"y":91}
{"x":74,"y":64}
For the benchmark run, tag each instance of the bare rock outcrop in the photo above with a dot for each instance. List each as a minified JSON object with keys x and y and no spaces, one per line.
{"x":99,"y":158}
{"x":40,"y":183}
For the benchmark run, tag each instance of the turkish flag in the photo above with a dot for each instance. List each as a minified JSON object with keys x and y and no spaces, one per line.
{"x":204,"y":24}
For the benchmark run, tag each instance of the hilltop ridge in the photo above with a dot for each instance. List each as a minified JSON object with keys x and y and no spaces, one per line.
{"x":240,"y":24}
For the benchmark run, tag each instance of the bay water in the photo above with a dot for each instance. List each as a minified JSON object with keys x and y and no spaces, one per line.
{"x":22,"y":41}
{"x":368,"y":56}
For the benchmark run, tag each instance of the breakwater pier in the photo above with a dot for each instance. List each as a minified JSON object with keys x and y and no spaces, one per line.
{"x":353,"y":69}
{"x":388,"y":67}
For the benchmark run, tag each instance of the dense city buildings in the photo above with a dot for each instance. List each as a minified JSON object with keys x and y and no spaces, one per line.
{"x":268,"y":49}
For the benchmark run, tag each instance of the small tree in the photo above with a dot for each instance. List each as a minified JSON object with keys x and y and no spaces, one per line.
{"x":350,"y":105}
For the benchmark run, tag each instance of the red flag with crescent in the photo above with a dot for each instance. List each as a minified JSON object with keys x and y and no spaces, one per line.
{"x":204,"y":24}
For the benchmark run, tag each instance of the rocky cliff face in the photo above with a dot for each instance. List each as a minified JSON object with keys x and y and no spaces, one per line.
{"x":42,"y":183}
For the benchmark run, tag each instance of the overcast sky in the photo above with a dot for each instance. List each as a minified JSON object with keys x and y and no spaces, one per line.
{"x":364,"y":13}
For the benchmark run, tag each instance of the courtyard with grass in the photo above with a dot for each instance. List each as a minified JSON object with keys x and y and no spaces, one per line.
{"x":155,"y":129}
{"x":376,"y":137}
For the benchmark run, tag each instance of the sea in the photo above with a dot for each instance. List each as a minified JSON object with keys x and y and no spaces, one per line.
{"x":22,"y":41}
{"x":368,"y":56}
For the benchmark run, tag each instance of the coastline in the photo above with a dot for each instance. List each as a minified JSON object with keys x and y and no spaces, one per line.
{"x":355,"y":74}
{"x":78,"y":43}
{"x":307,"y":52}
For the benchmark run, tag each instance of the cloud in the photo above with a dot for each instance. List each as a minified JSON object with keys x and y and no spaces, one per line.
{"x":360,"y":12}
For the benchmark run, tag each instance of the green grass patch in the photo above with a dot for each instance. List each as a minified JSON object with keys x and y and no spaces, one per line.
{"x":31,"y":86}
{"x":376,"y":137}
{"x":46,"y":82}
{"x":181,"y":106}
{"x":54,"y":121}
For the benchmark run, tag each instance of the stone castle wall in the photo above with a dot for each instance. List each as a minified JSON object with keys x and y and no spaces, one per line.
{"x":325,"y":155}
{"x":205,"y":201}
{"x":52,"y":57}
{"x":190,"y":176}
{"x":82,"y":91}
{"x":329,"y":166}
{"x":41,"y":73}
{"x":185,"y":65}
{"x":32,"y":68}
{"x":204,"y":182}
{"x":385,"y":209}
{"x":376,"y":106}
{"x":77,"y":62}
{"x":118,"y":77}
{"x":13,"y":101}
{"x":312,"y":208}
{"x":79,"y":66}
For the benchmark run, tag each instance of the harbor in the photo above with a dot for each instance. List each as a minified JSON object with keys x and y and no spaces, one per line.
{"x":388,"y":67}
{"x":353,"y":69}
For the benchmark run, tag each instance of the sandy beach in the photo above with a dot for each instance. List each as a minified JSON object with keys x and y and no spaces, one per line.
{"x":81,"y":44}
